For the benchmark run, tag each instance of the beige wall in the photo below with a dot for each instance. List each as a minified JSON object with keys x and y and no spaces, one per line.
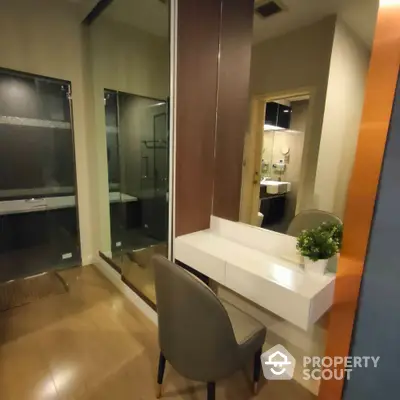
{"x":344,"y":102}
{"x":292,"y":62}
{"x":300,"y":116}
{"x":129,"y":60}
{"x":267,"y":152}
{"x":45,"y":38}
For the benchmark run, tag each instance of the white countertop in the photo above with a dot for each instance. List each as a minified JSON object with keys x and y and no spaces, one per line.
{"x":52,"y":203}
{"x":276,"y":187}
{"x":259,"y":265}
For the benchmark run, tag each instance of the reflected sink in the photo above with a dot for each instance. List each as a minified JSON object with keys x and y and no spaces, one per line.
{"x":275,"y":187}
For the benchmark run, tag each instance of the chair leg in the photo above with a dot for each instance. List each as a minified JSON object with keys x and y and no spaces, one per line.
{"x":160,"y":375}
{"x":210,"y":390}
{"x":257,"y":370}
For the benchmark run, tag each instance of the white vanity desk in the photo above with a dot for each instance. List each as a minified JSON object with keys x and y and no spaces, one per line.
{"x":260,"y":265}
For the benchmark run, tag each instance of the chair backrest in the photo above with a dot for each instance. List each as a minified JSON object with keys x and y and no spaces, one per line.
{"x":195,"y":332}
{"x":310,"y":219}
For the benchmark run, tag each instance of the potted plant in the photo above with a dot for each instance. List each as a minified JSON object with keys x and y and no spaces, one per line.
{"x":318,"y":245}
{"x":335,"y":230}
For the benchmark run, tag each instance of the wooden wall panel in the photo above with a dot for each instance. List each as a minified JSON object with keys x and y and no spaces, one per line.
{"x":196,"y":100}
{"x":380,"y":89}
{"x":233,"y":105}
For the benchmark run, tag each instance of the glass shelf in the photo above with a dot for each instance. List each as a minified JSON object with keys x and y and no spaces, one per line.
{"x":32,"y":122}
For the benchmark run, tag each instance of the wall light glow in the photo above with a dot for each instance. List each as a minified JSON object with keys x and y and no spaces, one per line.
{"x":389,"y":3}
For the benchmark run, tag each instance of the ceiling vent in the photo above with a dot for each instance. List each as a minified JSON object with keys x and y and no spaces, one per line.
{"x":268,"y":9}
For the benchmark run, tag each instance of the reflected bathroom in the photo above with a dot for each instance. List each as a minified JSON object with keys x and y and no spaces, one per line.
{"x":281,"y":160}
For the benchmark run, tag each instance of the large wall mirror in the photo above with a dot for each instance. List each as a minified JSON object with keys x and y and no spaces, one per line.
{"x":129,"y":46}
{"x":307,"y":86}
{"x":307,"y":83}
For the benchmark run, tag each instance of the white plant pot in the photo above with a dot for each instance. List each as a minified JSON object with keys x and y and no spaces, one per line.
{"x":315,"y":267}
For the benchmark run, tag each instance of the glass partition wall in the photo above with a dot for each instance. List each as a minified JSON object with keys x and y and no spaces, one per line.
{"x":137,"y":156}
{"x":133,"y":124}
{"x":38,"y":214}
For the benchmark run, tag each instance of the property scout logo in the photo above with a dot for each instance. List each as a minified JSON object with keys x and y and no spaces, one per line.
{"x":278,"y":364}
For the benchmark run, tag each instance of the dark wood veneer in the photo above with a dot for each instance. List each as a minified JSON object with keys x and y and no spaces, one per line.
{"x":197,"y":73}
{"x":233,"y":105}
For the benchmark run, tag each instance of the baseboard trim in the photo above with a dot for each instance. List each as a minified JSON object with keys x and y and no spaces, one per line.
{"x":115,"y":278}
{"x":110,"y":262}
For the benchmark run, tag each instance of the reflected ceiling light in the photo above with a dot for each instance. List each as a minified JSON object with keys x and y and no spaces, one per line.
{"x":62,"y":376}
{"x":47,"y":390}
{"x":268,"y":127}
{"x":388,"y":3}
{"x":158,"y":104}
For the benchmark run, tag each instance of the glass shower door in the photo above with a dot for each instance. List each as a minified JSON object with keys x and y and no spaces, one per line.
{"x":137,"y":154}
{"x":150,"y":190}
{"x":155,"y":210}
{"x":59,"y":175}
{"x":38,"y":214}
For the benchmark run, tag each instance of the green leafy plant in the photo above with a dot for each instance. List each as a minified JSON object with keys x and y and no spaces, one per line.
{"x":335,"y":230}
{"x":320,"y":243}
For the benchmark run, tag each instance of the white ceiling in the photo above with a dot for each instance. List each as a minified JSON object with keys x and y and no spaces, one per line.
{"x":360,"y":15}
{"x":152,"y":16}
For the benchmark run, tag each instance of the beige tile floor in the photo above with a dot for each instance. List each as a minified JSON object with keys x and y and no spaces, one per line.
{"x":91,"y":344}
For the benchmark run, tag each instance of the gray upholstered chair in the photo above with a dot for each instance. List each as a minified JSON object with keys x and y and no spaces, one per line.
{"x":203,"y":338}
{"x":310,"y":219}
